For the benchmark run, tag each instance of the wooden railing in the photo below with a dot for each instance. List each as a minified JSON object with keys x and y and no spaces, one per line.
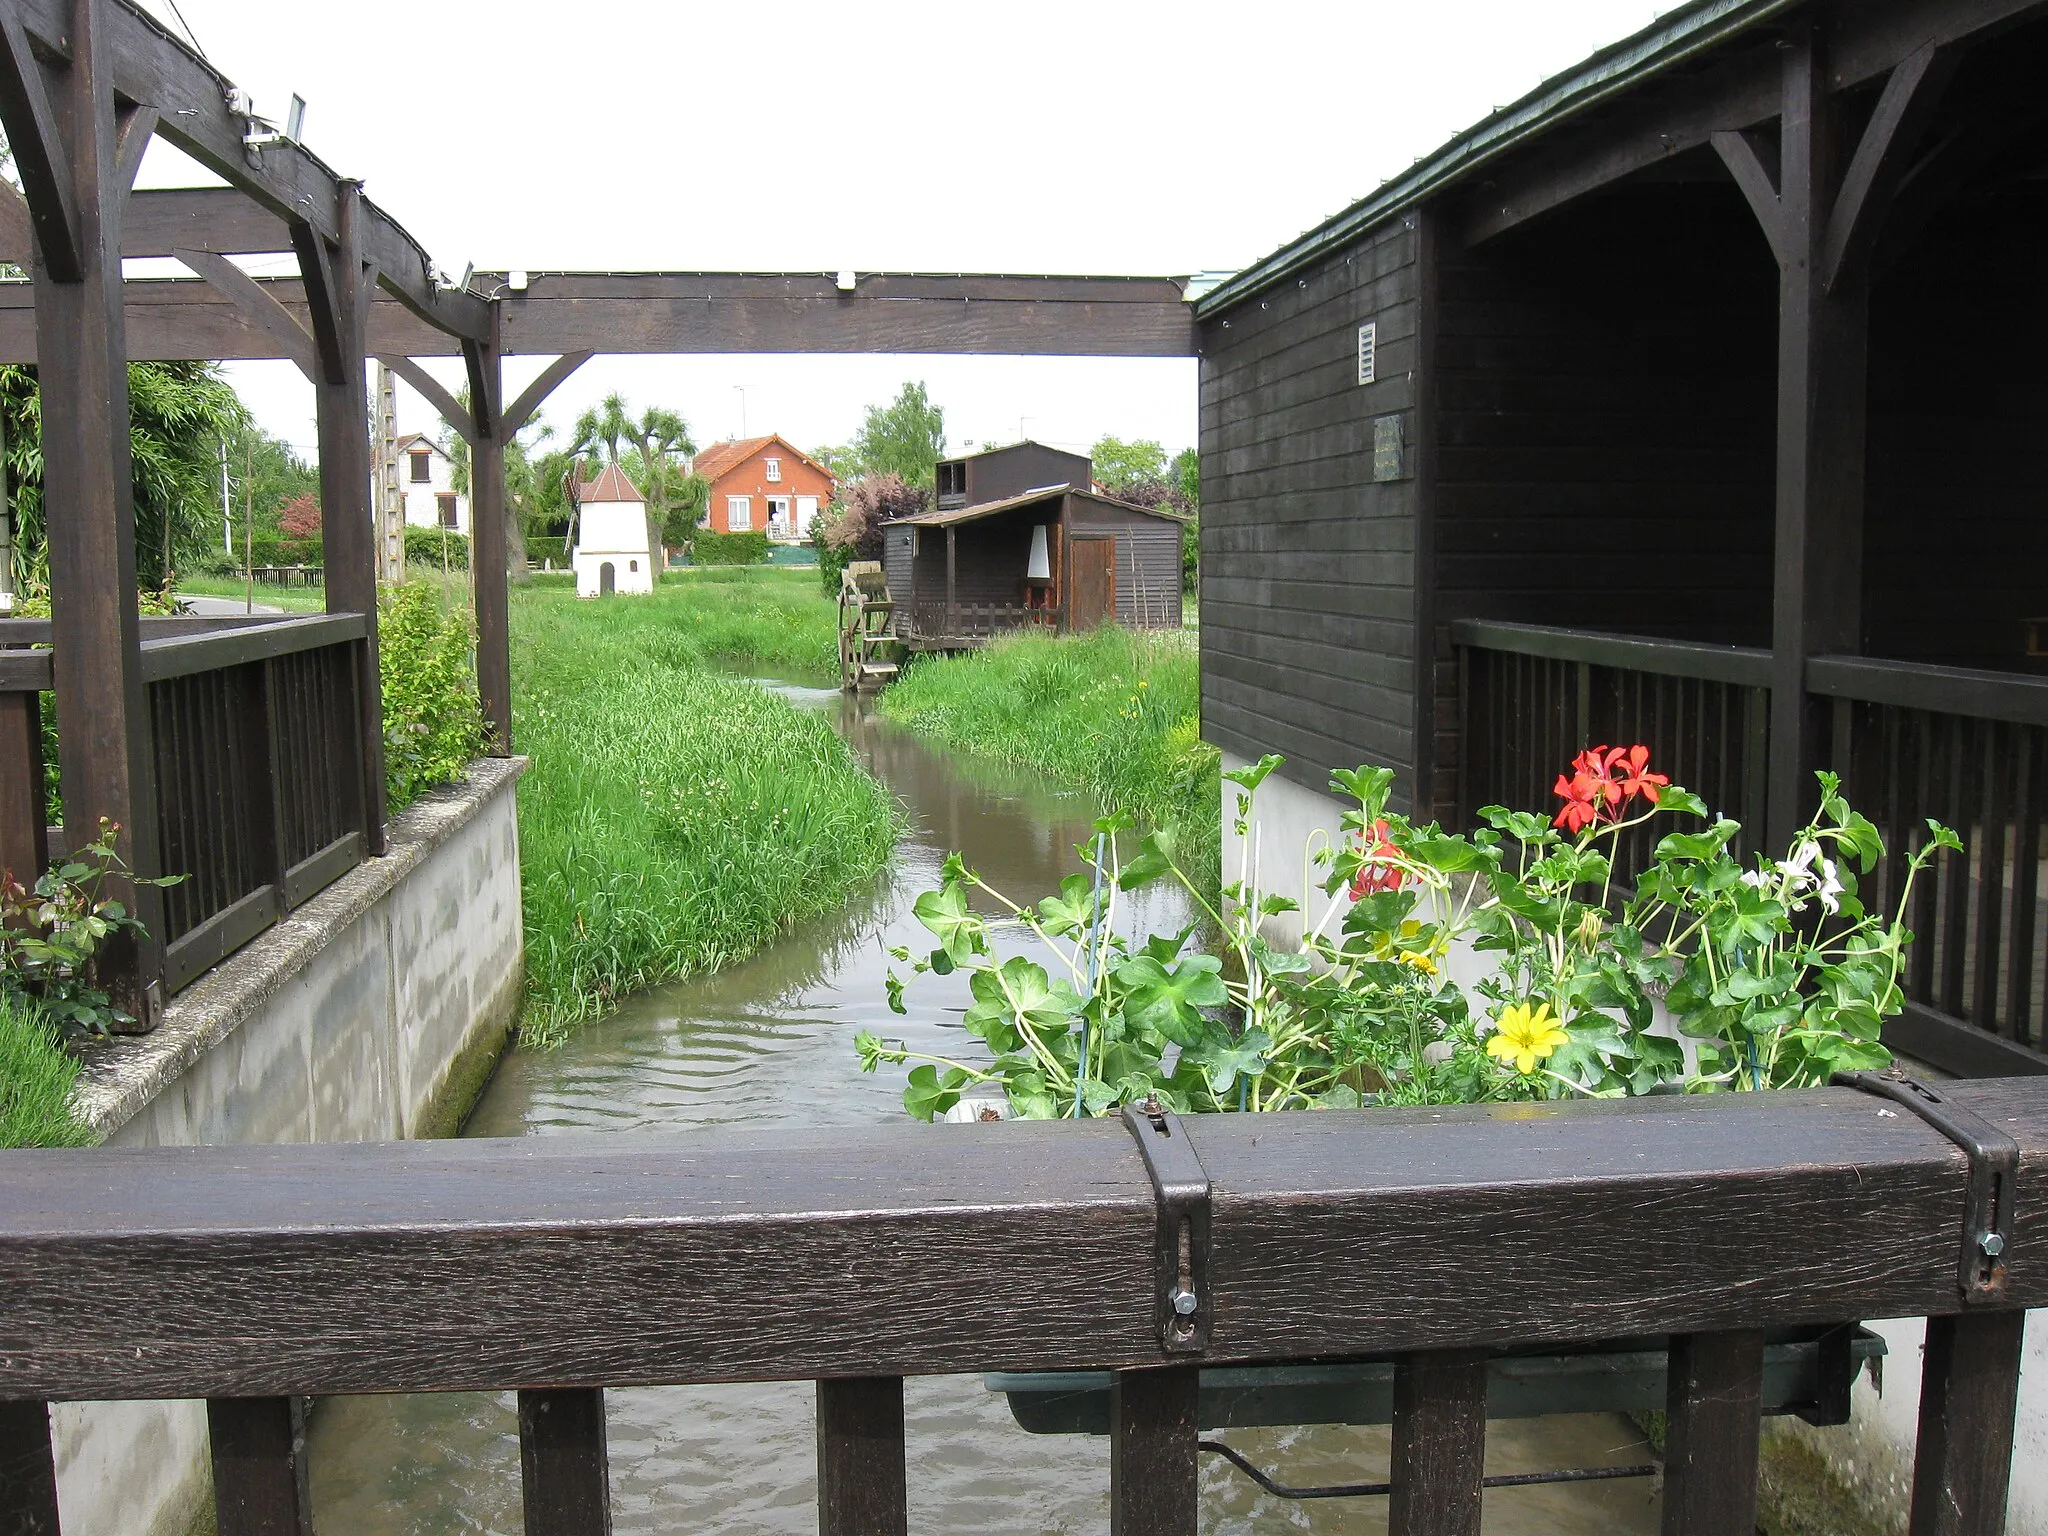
{"x":1969,"y":749}
{"x":976,"y":621}
{"x":259,"y":767}
{"x":1531,"y":698}
{"x":1152,"y":1248}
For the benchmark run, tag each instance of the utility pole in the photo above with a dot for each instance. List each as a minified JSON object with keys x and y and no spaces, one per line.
{"x":387,"y":495}
{"x":227,"y":505}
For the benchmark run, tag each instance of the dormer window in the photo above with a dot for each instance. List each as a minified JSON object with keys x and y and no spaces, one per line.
{"x":774,"y":471}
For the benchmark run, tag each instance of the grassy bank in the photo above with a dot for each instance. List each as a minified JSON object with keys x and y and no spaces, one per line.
{"x":36,"y":1075}
{"x":675,"y":819}
{"x":1114,"y":712}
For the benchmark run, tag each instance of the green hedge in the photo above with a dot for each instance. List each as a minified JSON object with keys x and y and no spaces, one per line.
{"x":709,"y":548}
{"x":433,"y":724}
{"x":424,"y":545}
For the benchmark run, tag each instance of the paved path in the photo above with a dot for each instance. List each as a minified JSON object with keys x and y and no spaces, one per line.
{"x":222,"y":605}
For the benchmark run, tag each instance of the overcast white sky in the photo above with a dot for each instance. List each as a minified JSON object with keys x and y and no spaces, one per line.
{"x":1095,"y":136}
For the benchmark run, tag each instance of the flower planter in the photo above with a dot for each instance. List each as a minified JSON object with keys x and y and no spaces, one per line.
{"x":1807,"y":1371}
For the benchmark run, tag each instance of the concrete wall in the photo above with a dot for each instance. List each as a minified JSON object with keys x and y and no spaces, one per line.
{"x":374,"y":1013}
{"x":1873,"y":1453}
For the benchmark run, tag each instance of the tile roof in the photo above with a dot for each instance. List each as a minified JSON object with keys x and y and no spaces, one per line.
{"x":612,"y":485}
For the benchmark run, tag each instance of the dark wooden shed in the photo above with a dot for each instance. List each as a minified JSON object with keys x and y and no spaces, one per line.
{"x":968,"y":572}
{"x":1000,"y":473}
{"x":1696,"y":400}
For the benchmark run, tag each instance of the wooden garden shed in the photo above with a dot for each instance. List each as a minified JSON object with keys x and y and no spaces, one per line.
{"x":1059,"y":556}
{"x":1696,"y":400}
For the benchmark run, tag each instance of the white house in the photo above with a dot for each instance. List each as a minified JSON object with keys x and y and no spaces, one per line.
{"x":426,"y":479}
{"x":612,"y":552}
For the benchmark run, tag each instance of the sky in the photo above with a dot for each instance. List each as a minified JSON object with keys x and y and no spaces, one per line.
{"x":1089,"y":136}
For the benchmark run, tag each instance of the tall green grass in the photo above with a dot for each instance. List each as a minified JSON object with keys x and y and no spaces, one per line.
{"x":36,"y":1078}
{"x":1115,"y":712}
{"x":675,"y":819}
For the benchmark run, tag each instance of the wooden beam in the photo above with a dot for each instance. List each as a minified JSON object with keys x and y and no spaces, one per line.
{"x":41,"y":158}
{"x":105,"y":749}
{"x":311,"y":1269}
{"x":260,"y":1467}
{"x":28,"y":1470}
{"x":1154,"y":1445}
{"x":324,"y":305}
{"x":489,"y":540}
{"x":260,"y":307}
{"x":516,"y":415}
{"x":564,"y":1463}
{"x":435,"y":393}
{"x":1740,"y":153}
{"x":1713,"y":1411}
{"x":137,"y":128}
{"x":1897,"y":124}
{"x":1439,"y":1449}
{"x":862,"y":1487}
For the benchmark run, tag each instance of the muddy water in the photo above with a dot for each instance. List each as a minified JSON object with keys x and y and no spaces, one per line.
{"x":771,"y":1040}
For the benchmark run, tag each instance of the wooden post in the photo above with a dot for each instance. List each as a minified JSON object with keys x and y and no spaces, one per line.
{"x":564,"y":1465}
{"x":952,"y":596}
{"x":1439,"y":1459}
{"x":487,"y":542}
{"x":28,"y":1470}
{"x":1969,"y":1394}
{"x":259,"y":1466}
{"x":1153,"y":1439}
{"x":1714,"y":1403}
{"x":862,"y":1490}
{"x":348,"y":527}
{"x":24,"y":800}
{"x":62,"y":131}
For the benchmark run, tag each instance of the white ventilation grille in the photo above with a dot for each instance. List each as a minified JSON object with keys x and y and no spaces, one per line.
{"x":1368,"y":346}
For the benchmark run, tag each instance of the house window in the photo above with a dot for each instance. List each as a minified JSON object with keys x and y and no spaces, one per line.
{"x":739,"y":513}
{"x":422,"y":468}
{"x":446,"y":505}
{"x":774,"y":471}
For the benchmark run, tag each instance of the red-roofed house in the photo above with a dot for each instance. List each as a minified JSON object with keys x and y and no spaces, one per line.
{"x":763,"y":484}
{"x":613,"y":547}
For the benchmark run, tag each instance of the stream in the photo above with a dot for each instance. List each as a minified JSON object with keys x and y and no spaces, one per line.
{"x":771,"y":1041}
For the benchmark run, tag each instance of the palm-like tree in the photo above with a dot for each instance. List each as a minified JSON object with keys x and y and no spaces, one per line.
{"x":660,"y":437}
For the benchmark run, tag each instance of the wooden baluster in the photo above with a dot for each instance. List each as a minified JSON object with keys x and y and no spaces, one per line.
{"x":24,"y":822}
{"x":1439,"y":1454}
{"x":259,"y":1466}
{"x":28,"y":1470}
{"x":1969,"y":1391}
{"x":564,"y":1467}
{"x":861,"y":1484}
{"x":1152,"y":1451}
{"x":1714,"y":1401}
{"x":2026,"y":871}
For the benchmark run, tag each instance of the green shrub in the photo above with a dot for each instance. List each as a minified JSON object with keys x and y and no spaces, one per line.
{"x":709,"y":548}
{"x":433,"y":724}
{"x":425,"y":545}
{"x":36,"y":1079}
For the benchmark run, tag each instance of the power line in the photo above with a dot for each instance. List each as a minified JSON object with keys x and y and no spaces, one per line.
{"x":189,"y":33}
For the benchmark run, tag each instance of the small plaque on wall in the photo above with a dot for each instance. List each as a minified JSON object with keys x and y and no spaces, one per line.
{"x":1388,"y":449}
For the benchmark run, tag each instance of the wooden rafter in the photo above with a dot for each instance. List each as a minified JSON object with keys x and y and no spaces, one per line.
{"x":39,"y":153}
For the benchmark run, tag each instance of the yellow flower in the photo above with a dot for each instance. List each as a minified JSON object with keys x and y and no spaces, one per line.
{"x":1525,"y":1036}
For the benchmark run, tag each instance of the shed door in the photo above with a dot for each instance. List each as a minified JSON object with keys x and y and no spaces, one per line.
{"x":1091,"y":594}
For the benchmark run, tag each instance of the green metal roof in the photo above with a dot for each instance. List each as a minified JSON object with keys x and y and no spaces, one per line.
{"x":1670,"y":40}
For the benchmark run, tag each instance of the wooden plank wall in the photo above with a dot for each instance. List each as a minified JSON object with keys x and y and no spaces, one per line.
{"x":1148,"y":563}
{"x":1606,"y":396}
{"x":1308,"y":565}
{"x":1956,"y":553}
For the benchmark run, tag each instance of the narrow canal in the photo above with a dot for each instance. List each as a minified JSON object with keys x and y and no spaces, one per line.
{"x":771,"y":1041}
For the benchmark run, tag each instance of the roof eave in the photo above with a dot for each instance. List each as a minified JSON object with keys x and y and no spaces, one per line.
{"x":1666,"y":42}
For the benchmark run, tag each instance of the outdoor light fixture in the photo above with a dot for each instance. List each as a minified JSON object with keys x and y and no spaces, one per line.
{"x":846,"y":281}
{"x":517,"y":280}
{"x":1040,"y":566}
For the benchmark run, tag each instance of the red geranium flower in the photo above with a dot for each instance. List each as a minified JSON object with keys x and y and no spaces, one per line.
{"x":1630,"y":765}
{"x":1377,"y":873}
{"x":1602,"y":781}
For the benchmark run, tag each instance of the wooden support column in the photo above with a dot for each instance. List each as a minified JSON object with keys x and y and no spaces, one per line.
{"x":1439,"y":1452}
{"x":487,"y":541}
{"x":28,"y":1470}
{"x":1969,"y":1394}
{"x":1714,"y":1408}
{"x":564,"y":1464}
{"x":862,"y":1489}
{"x":1820,"y":213}
{"x":338,"y":288}
{"x":952,"y":591}
{"x":61,"y":125}
{"x":259,"y":1466}
{"x":1153,"y":1447}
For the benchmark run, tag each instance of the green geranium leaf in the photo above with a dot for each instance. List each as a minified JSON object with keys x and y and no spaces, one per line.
{"x":895,"y":985}
{"x":946,"y":914}
{"x":1253,"y":775}
{"x":1224,"y":1060}
{"x":926,"y":1096}
{"x":1153,"y":859}
{"x":1168,"y":1001}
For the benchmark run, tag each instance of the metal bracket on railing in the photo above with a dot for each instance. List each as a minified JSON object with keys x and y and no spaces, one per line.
{"x":1180,"y":1245}
{"x":1994,"y":1172}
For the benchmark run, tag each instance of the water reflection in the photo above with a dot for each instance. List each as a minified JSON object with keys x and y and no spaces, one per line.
{"x":770,"y":1040}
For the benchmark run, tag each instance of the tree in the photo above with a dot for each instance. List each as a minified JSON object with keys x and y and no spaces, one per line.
{"x":1187,"y":475}
{"x":838,"y":461}
{"x":658,"y":440}
{"x":1120,"y":465}
{"x":906,"y":437}
{"x":300,"y":518}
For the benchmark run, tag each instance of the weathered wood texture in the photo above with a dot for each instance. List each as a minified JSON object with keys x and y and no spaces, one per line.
{"x":1308,"y":562}
{"x":1713,"y":1416}
{"x":260,"y":1466}
{"x":391,"y":1268}
{"x":564,"y":1465}
{"x":1969,"y":1394}
{"x":862,"y":1488}
{"x":28,"y":1470}
{"x":1153,"y":1440}
{"x":1439,"y":1450}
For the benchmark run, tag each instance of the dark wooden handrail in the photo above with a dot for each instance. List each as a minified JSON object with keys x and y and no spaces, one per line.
{"x":182,"y":655}
{"x":154,"y":625}
{"x":1980,"y":695}
{"x":1744,"y":666}
{"x":856,"y":1257}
